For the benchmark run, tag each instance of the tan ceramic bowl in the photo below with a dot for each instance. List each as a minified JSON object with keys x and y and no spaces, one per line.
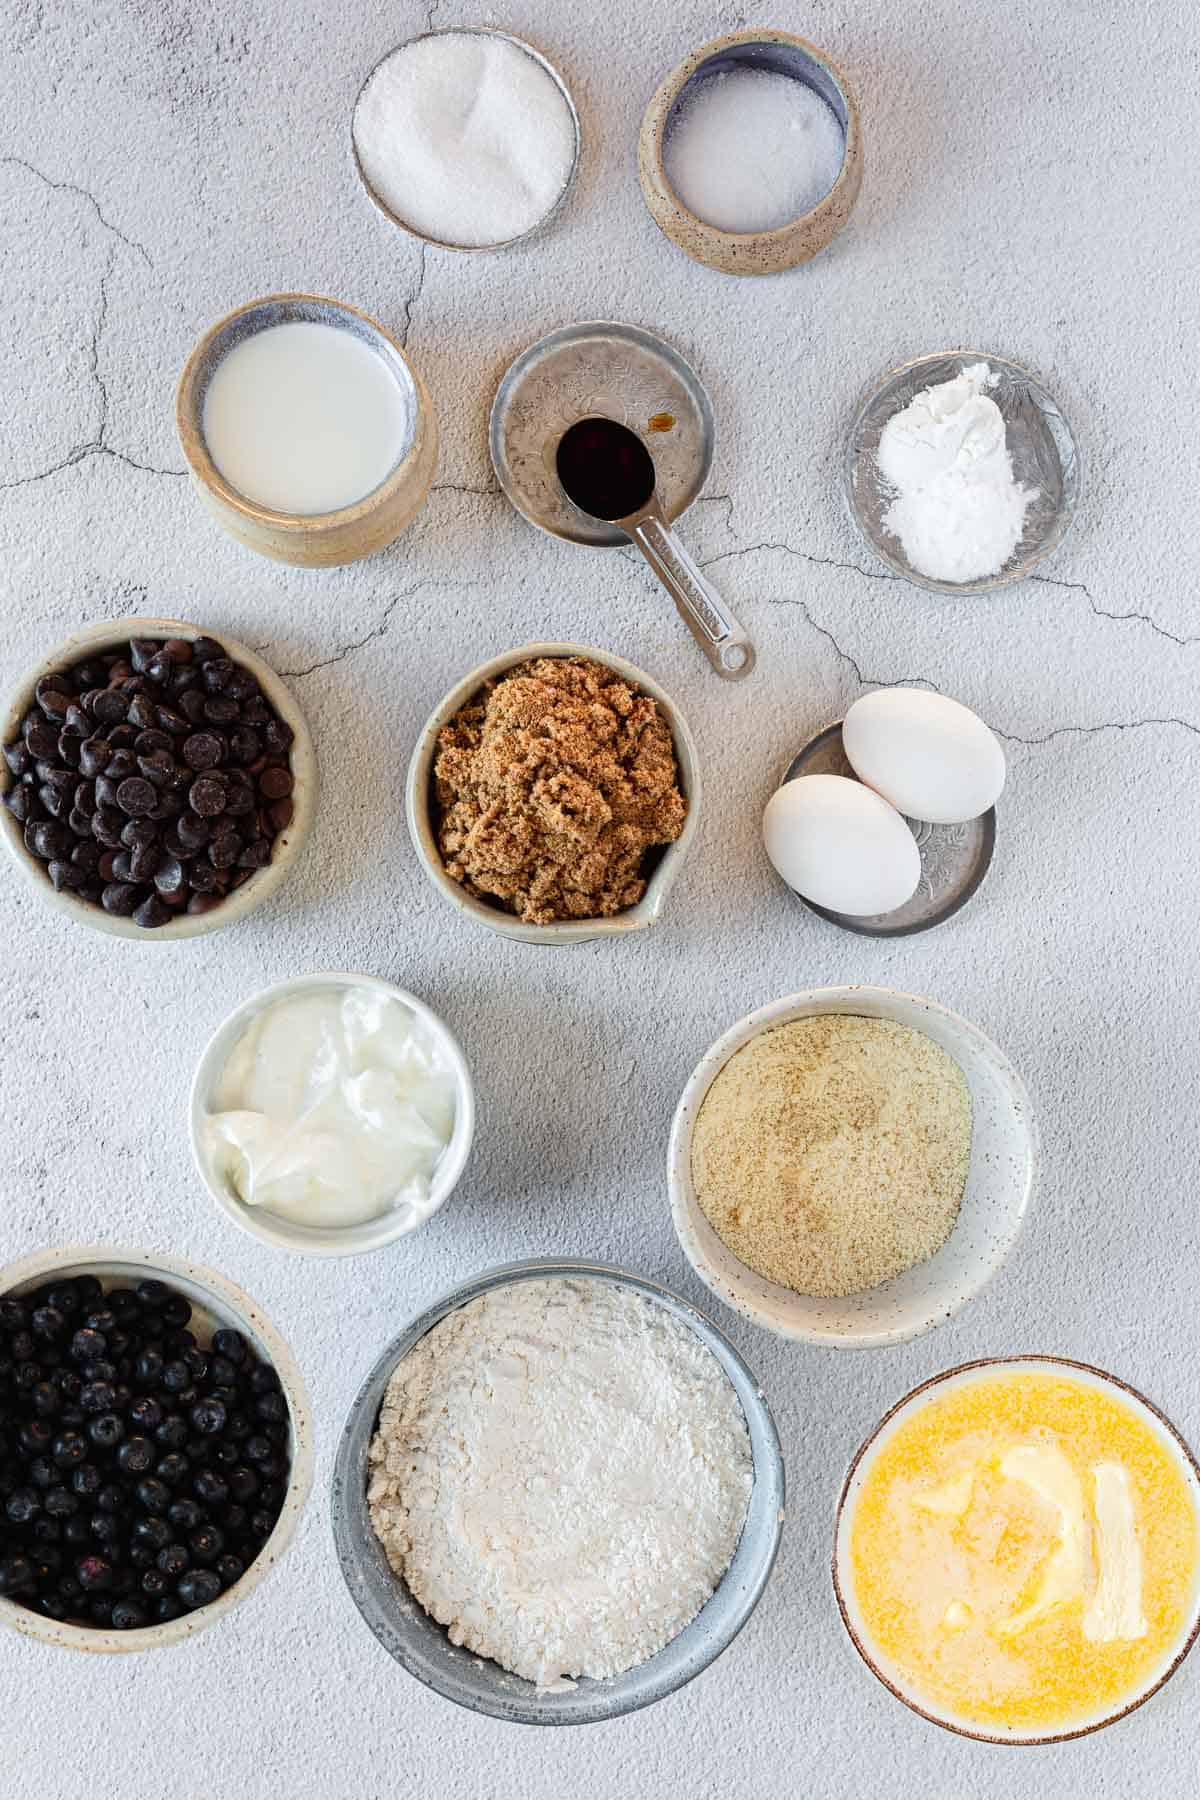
{"x":418,"y":797}
{"x":216,"y":1303}
{"x":313,"y":540}
{"x":94,"y":640}
{"x":751,"y":252}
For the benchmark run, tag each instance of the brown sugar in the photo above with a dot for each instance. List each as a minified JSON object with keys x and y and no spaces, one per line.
{"x":551,"y":785}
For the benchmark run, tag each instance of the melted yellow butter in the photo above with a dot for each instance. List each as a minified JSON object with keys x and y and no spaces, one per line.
{"x":981,"y":1547}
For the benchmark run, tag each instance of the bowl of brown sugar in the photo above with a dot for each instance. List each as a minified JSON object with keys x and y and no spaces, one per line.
{"x":849,"y":1166}
{"x":554,"y":794}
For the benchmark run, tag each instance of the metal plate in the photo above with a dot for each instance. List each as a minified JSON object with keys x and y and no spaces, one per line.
{"x":617,"y":372}
{"x":954,"y":858}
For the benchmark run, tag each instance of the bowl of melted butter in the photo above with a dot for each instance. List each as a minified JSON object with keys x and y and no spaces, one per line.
{"x":1017,"y":1555}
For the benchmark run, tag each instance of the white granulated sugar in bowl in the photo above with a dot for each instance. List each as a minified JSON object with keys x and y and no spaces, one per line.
{"x":561,"y":1473}
{"x":465,"y":138}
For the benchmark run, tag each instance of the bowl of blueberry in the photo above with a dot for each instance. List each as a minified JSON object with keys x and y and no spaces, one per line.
{"x":156,"y":782}
{"x":155,"y":1448}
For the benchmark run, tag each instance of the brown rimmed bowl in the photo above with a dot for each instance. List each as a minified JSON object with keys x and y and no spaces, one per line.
{"x":95,"y":640}
{"x":880,"y":1666}
{"x":311,"y":540}
{"x":751,"y":252}
{"x":216,"y":1303}
{"x":421,"y":809}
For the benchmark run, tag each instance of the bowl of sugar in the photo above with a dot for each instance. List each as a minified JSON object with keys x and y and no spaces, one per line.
{"x":750,"y":154}
{"x":309,"y":435}
{"x":466,"y":138}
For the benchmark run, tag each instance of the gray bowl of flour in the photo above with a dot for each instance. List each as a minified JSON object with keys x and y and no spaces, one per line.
{"x":423,"y":1647}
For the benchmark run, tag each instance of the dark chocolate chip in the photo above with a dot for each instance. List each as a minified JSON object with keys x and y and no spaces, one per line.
{"x":151,"y":913}
{"x":136,"y":796}
{"x":171,"y":877}
{"x":119,"y":897}
{"x":219,"y":709}
{"x":206,"y":796}
{"x":202,"y":750}
{"x":110,"y":707}
{"x":205,"y":648}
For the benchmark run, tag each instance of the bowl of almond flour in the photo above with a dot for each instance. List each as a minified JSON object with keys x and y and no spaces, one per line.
{"x":850,"y":1166}
{"x":558,"y":1495}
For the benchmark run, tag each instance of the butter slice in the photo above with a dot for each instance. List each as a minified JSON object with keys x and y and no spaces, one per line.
{"x":951,"y":1500}
{"x":1045,"y":1469}
{"x":1115,"y":1610}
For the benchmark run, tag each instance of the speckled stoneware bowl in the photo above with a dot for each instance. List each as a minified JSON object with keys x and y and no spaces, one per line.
{"x":1004,"y":1156}
{"x":94,"y":640}
{"x":420,"y":810}
{"x":217,"y":1303}
{"x":550,"y":214}
{"x":313,"y":540}
{"x":751,"y":252}
{"x":368,"y":1234}
{"x":880,"y":1664}
{"x":423,"y":1647}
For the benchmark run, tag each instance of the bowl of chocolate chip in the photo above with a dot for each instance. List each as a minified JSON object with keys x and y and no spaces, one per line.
{"x":156,"y":781}
{"x":554,"y":795}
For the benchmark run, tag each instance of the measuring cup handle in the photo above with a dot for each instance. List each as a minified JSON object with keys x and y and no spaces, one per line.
{"x":704,"y":613}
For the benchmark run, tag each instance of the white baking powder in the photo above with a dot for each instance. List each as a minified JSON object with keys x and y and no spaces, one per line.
{"x":560,"y":1474}
{"x":465,"y":137}
{"x":750,"y":150}
{"x":957,"y":509}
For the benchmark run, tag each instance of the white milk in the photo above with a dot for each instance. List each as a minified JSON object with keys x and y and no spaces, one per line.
{"x":305,"y":418}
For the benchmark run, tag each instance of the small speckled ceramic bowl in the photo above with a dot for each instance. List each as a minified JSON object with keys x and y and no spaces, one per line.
{"x":312,"y":540}
{"x":1004,"y":1156}
{"x":112,"y":634}
{"x":881,"y":1665}
{"x":217,"y":1303}
{"x":309,"y":1240}
{"x":419,"y":806}
{"x":422,"y":1646}
{"x":751,"y":252}
{"x":552,"y":212}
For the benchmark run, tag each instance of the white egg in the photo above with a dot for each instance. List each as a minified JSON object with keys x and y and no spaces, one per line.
{"x":839,"y":844}
{"x":931,"y":757}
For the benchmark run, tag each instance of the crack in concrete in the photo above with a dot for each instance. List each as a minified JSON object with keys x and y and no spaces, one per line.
{"x":458,"y":487}
{"x":1132,"y":617}
{"x":413,"y":298}
{"x":819,"y":562}
{"x":378,"y":630}
{"x":1011,"y":737}
{"x":82,"y":193}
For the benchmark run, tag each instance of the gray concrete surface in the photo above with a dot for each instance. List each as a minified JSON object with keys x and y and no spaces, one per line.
{"x":1030,"y":189}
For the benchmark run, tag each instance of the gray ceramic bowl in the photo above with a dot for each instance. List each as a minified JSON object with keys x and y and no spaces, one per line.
{"x":422,"y":1646}
{"x":419,"y":808}
{"x":94,"y":640}
{"x":216,"y":1302}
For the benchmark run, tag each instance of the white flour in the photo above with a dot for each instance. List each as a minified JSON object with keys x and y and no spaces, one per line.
{"x":561,"y":1473}
{"x":957,"y":510}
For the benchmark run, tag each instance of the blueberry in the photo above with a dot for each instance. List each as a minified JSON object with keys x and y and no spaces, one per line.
{"x":110,"y":1498}
{"x":105,"y":1527}
{"x":127,"y":1615}
{"x":199,"y":1587}
{"x":272,"y":1407}
{"x":243,"y":1483}
{"x":36,"y":1436}
{"x":148,"y":1368}
{"x":98,"y":1397}
{"x":17,"y":1575}
{"x":167,"y":1608}
{"x":136,"y":1456}
{"x":172,"y":1434}
{"x":75,"y":1530}
{"x":101,"y":1319}
{"x":229,"y":1568}
{"x":60,"y":1503}
{"x":210,"y":1488}
{"x":208,"y":1418}
{"x":173,"y":1560}
{"x":145,"y":1414}
{"x":173,"y":1469}
{"x":176,"y":1376}
{"x":185,"y":1515}
{"x":87,"y":1345}
{"x":221,"y":1372}
{"x":43,"y":1473}
{"x":95,"y":1573}
{"x":22,"y":1506}
{"x":153,"y":1495}
{"x":45,"y":1398}
{"x":176,"y":1312}
{"x":259,"y":1449}
{"x":206,"y":1544}
{"x":152,"y":1532}
{"x":230,"y":1344}
{"x":68,"y":1449}
{"x":154,"y":1583}
{"x":86,"y":1479}
{"x":107,"y":1430}
{"x":48,"y":1322}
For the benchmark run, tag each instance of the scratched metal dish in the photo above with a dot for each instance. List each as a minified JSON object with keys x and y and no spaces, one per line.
{"x":536,"y":56}
{"x":954,"y":858}
{"x":422,"y":1646}
{"x":1045,"y":457}
{"x":598,"y":369}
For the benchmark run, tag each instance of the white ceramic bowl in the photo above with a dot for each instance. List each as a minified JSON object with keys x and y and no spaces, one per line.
{"x":1004,"y":1155}
{"x":882,"y":1667}
{"x":309,"y":1240}
{"x":419,"y":810}
{"x":94,"y":640}
{"x":216,"y":1303}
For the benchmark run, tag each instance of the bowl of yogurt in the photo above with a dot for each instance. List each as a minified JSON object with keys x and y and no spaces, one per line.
{"x":331,"y":1114}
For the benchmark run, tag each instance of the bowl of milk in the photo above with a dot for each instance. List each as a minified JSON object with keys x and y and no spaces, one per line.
{"x":309,"y":435}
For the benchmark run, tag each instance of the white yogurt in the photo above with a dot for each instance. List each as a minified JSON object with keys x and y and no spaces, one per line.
{"x":335,"y":1106}
{"x":305,"y":418}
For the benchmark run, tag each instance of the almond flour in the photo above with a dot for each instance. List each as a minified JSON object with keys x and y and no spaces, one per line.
{"x":831,"y":1153}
